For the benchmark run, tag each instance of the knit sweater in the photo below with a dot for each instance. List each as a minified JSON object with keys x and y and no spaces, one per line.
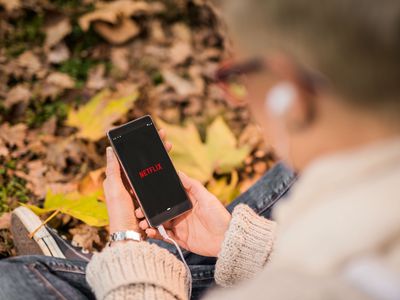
{"x":139,"y":268}
{"x":338,"y":238}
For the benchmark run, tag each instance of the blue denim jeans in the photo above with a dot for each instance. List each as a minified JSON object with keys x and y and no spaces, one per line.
{"x":40,"y":277}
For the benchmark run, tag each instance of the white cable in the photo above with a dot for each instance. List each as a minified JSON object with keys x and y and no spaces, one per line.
{"x":165,"y":235}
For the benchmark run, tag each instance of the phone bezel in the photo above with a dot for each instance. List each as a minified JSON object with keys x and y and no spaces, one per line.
{"x":174,"y":211}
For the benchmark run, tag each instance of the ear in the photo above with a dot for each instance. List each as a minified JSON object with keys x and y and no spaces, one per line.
{"x":288,"y":98}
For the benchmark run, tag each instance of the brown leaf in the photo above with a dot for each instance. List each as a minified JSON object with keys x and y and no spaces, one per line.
{"x":61,"y":80}
{"x":56,"y":30}
{"x":85,"y":236}
{"x":10,"y":5}
{"x":30,"y":62}
{"x":5,"y":220}
{"x":96,"y":80}
{"x":119,"y":58}
{"x":180,"y":52}
{"x":110,"y":11}
{"x":58,"y":54}
{"x":19,"y":93}
{"x":92,"y":182}
{"x":182,"y":87}
{"x":119,"y":33}
{"x":13,"y":135}
{"x":3,"y":149}
{"x":35,"y":177}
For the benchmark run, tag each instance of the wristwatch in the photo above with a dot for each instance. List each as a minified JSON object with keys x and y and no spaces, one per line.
{"x":124,"y":236}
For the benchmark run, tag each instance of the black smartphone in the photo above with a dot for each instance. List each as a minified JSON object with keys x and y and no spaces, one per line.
{"x":149,"y":170}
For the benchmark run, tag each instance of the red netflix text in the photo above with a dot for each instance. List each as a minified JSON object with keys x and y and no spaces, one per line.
{"x":150,"y":170}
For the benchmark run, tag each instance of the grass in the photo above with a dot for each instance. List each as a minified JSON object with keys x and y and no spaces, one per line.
{"x":39,"y":112}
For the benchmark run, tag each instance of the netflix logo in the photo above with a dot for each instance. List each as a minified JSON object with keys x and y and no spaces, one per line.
{"x":150,"y":170}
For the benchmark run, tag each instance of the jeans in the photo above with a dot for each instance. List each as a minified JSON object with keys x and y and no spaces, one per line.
{"x":40,"y":277}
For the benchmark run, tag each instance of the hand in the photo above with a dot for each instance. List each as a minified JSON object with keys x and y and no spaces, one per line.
{"x":200,"y":230}
{"x":119,"y":202}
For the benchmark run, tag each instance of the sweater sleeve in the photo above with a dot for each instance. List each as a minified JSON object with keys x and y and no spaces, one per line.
{"x":137,"y":270}
{"x":246,"y":247}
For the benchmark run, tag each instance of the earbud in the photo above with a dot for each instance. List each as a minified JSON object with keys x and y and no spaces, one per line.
{"x":279,"y":99}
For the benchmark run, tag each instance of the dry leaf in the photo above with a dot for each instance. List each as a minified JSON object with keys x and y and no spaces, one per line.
{"x":118,"y":33}
{"x":181,"y":86}
{"x":35,"y":177}
{"x":61,"y":80}
{"x":56,"y":31}
{"x":58,"y":54}
{"x":119,"y":59}
{"x":10,"y":5}
{"x":13,"y":135}
{"x":5,"y":221}
{"x":30,"y":62}
{"x":85,"y":236}
{"x":19,"y":93}
{"x":93,"y":183}
{"x":3,"y":149}
{"x":180,"y":52}
{"x":96,"y":78}
{"x":94,"y":118}
{"x":110,"y":11}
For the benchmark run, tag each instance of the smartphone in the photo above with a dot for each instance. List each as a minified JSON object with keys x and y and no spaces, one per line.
{"x":149,"y":170}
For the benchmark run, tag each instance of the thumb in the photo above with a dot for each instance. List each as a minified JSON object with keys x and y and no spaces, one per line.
{"x":113,"y":169}
{"x":192,"y":186}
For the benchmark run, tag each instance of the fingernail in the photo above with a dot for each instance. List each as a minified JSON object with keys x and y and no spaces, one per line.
{"x":109,"y":153}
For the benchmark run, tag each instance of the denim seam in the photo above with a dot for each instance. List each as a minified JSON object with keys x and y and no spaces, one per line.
{"x":280,"y":192}
{"x":44,"y":280}
{"x":67,"y":268}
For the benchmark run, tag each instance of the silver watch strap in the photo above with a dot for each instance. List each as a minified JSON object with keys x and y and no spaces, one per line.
{"x":125,"y":235}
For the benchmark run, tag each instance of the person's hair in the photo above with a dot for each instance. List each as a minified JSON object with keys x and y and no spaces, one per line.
{"x":354,"y":43}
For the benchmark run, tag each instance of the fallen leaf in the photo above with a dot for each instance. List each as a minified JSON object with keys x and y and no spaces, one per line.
{"x":85,"y":236}
{"x":58,"y":54}
{"x":86,"y":208}
{"x":93,"y":183}
{"x":5,"y":220}
{"x":182,"y":87}
{"x":35,"y":177}
{"x":118,"y":33}
{"x":199,"y":160}
{"x":3,"y":149}
{"x":30,"y":62}
{"x":180,"y":52}
{"x":222,"y":147}
{"x":96,"y":78}
{"x":19,"y":93}
{"x":10,"y":5}
{"x":119,"y":58}
{"x":224,"y":191}
{"x":61,"y":80}
{"x":110,"y":11}
{"x":13,"y":135}
{"x":56,"y":30}
{"x":94,"y":118}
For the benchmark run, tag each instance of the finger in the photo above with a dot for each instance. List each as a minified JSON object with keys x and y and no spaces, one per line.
{"x":194,"y":187}
{"x":139,"y":213}
{"x":162,"y":133}
{"x":112,"y":169}
{"x":143,"y":225}
{"x":168,"y":146}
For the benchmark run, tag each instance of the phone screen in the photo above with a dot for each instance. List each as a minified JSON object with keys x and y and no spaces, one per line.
{"x":150,"y":170}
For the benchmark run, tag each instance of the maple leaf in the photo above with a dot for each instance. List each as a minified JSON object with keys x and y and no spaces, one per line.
{"x":86,"y":208}
{"x":199,"y":160}
{"x":224,"y":191}
{"x":94,"y":118}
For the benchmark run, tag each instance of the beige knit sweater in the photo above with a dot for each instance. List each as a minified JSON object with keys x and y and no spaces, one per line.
{"x":339,"y":238}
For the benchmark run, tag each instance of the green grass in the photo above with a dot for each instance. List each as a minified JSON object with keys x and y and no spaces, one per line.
{"x":39,"y":112}
{"x":12,"y":187}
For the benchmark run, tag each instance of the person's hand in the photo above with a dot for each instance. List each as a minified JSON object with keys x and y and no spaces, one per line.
{"x":200,"y":230}
{"x":120,"y":207}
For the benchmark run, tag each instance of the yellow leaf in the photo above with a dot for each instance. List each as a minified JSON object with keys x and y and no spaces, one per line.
{"x":221,"y":147}
{"x":224,"y":191}
{"x":86,"y":208}
{"x":199,"y":160}
{"x":94,"y":118}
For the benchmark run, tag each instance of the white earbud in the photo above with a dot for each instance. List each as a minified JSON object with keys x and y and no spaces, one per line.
{"x":279,"y":99}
